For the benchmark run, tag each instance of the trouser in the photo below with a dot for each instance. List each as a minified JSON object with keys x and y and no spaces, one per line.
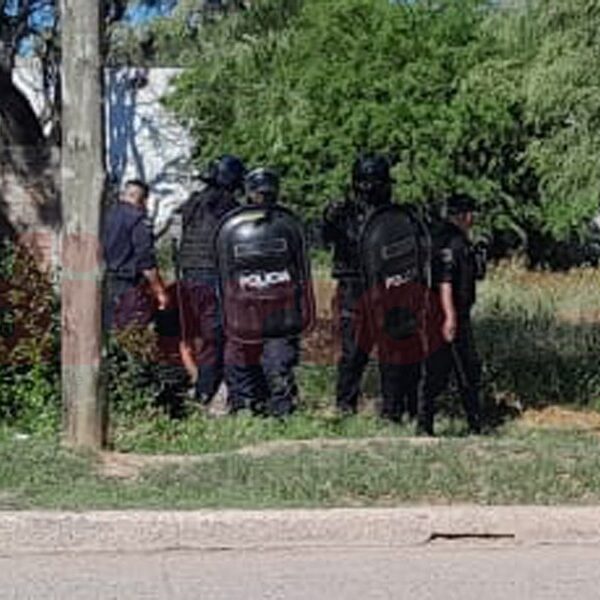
{"x":125,"y":303}
{"x":260,"y":377}
{"x":203,"y":321}
{"x":460,"y":358}
{"x":399,"y":382}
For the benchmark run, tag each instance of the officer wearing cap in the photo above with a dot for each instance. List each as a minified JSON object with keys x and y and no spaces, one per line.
{"x":260,"y":377}
{"x":458,"y":266}
{"x":128,"y":247}
{"x":342,"y":227}
{"x":202,"y":314}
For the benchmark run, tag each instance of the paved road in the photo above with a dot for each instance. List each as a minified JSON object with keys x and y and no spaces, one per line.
{"x":447,"y":571}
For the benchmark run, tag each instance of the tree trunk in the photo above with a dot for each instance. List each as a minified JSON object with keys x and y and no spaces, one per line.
{"x":83,"y":180}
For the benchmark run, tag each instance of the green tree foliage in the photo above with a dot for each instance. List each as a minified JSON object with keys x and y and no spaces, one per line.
{"x":496,"y":98}
{"x":562,"y":104}
{"x":532,"y":104}
{"x":305,"y":85}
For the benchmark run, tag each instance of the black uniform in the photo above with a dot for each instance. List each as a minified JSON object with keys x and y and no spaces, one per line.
{"x":128,"y":246}
{"x":342,"y":224}
{"x":342,"y":227}
{"x":260,"y":376}
{"x":202,"y":317}
{"x":202,"y":313}
{"x":456,"y":263}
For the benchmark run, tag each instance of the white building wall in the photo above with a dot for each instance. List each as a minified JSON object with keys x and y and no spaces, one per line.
{"x":143,"y":140}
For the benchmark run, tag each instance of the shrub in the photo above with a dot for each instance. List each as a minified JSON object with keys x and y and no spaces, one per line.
{"x":29,"y":344}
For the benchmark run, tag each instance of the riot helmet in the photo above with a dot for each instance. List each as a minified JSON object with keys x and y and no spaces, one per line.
{"x":371,"y":179}
{"x":226,"y":172}
{"x":262,"y":186}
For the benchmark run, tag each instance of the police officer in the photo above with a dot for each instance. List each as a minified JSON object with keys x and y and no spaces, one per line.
{"x":260,"y":376}
{"x":202,"y":314}
{"x":128,"y":246}
{"x":458,"y":266}
{"x":342,"y":226}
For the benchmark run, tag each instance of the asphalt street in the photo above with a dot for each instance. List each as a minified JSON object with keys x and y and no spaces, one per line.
{"x":446,"y":570}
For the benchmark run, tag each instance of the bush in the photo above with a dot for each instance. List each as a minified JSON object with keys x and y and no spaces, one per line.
{"x":29,"y":344}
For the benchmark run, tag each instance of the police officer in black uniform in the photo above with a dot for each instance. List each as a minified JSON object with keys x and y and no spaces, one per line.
{"x":342,"y":226}
{"x":202,"y":313}
{"x":128,"y":246}
{"x":459,"y":264}
{"x":260,"y":376}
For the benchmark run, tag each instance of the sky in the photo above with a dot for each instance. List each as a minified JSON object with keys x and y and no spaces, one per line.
{"x":141,"y":12}
{"x":144,"y":13}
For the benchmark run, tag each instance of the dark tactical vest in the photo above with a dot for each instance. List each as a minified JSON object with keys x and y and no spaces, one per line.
{"x":265,"y":275}
{"x":201,"y":215}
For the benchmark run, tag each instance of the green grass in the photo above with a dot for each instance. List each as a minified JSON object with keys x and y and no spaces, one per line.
{"x":201,"y":435}
{"x":539,"y":335}
{"x":519,"y":466}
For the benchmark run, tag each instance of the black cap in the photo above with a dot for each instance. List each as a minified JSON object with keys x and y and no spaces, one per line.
{"x":460,"y":203}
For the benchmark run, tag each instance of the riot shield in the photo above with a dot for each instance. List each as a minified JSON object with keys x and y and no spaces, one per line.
{"x":396,"y":257}
{"x":265,"y":275}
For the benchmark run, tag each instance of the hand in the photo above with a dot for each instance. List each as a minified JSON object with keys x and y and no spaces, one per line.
{"x":449,"y":329}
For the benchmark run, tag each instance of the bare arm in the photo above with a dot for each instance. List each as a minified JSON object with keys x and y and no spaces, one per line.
{"x":143,"y":242}
{"x":449,"y":310}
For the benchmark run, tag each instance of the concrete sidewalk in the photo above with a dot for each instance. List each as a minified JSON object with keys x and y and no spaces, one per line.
{"x":145,"y":531}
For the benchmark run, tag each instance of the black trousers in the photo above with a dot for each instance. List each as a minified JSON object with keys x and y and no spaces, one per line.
{"x":260,"y":377}
{"x":462,"y":360}
{"x":399,"y":382}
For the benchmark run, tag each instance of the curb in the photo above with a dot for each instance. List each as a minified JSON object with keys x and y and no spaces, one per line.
{"x":145,"y":531}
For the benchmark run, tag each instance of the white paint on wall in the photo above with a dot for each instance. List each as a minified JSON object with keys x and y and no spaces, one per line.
{"x":143,"y":140}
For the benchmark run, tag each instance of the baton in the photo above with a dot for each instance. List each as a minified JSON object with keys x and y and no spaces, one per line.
{"x":459,"y":369}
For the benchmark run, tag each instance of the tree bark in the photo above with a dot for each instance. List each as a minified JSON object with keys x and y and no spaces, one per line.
{"x":83,"y":181}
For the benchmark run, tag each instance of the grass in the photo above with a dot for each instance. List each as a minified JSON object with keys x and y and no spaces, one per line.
{"x":539,"y":335}
{"x":520,"y":466}
{"x":201,"y":435}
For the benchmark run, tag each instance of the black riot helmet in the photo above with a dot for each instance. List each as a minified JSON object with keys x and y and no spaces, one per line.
{"x":262,"y":186}
{"x":371,"y":179}
{"x":226,"y":172}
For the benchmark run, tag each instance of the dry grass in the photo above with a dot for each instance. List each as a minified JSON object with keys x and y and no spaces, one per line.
{"x":557,"y":417}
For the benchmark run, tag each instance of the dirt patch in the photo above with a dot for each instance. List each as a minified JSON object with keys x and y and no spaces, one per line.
{"x":580,"y":316}
{"x":555,"y":417}
{"x":130,"y":466}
